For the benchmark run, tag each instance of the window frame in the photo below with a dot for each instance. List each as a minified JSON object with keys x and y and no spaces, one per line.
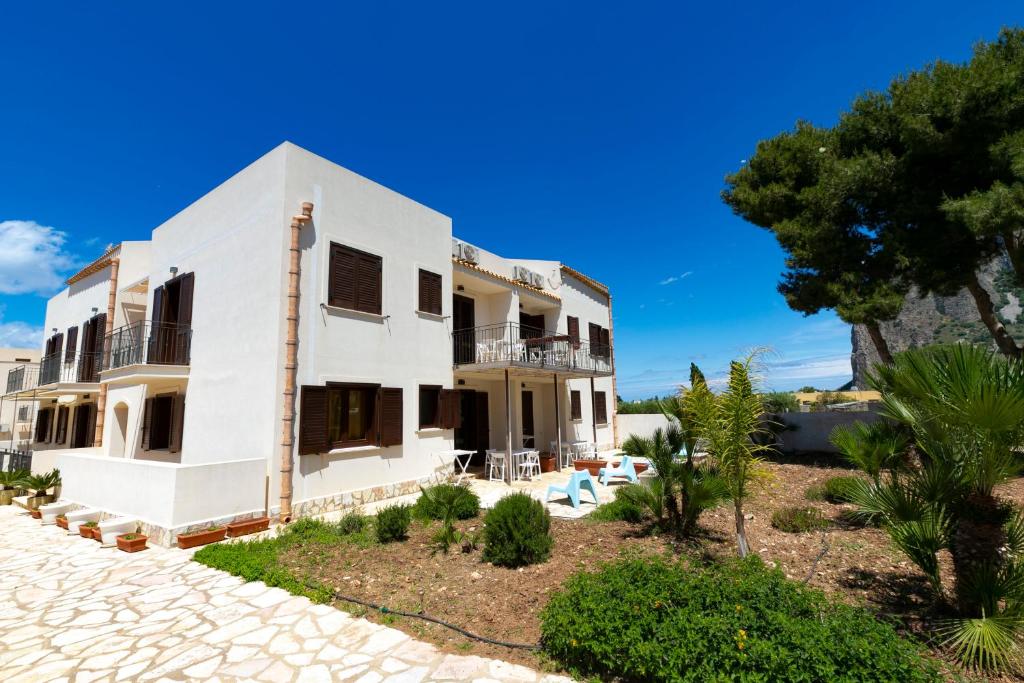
{"x":420,"y":273}
{"x":604,"y":405}
{"x":372,"y":434}
{"x":575,"y":405}
{"x":434,"y":423}
{"x":358,"y":254}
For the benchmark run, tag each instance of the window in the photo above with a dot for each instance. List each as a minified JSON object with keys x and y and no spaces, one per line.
{"x":83,"y":428}
{"x":354,"y":280}
{"x":573,"y":325}
{"x":600,"y":408}
{"x":575,"y":405}
{"x":69,"y":352}
{"x":430,"y":292}
{"x":600,"y":341}
{"x":430,"y":406}
{"x":163,"y":423}
{"x":348,"y":416}
{"x":23,"y":413}
{"x":43,"y":419}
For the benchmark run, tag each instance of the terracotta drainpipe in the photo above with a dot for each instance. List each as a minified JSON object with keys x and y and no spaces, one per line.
{"x":108,"y":328}
{"x":291,"y":363}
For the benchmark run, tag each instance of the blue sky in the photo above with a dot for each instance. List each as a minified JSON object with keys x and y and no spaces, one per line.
{"x":593,"y":133}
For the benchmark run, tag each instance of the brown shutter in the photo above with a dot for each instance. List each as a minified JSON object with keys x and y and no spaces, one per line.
{"x":600,"y":408}
{"x":368,"y":294}
{"x":449,"y":409}
{"x":58,"y":346}
{"x":390,"y":416}
{"x":154,"y":353}
{"x":595,"y":337}
{"x":62,"y":425}
{"x":177,"y":423}
{"x":573,"y":325}
{"x":313,"y":420}
{"x":606,"y":349}
{"x":182,"y":335}
{"x":90,"y":434}
{"x":147,"y":422}
{"x":424,"y":303}
{"x":341,"y":290}
{"x":69,"y":353}
{"x":430,"y":292}
{"x":575,"y":405}
{"x":40,"y":417}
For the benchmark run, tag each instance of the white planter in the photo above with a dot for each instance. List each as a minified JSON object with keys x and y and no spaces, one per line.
{"x":78,"y":517}
{"x":51,"y":511}
{"x":110,"y":529}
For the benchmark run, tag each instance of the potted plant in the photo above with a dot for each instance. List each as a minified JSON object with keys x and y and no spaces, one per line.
{"x":10,"y":484}
{"x":131,"y":543}
{"x":62,"y":521}
{"x":591,"y":465}
{"x":89,"y":529}
{"x":248,"y":526}
{"x":36,"y":513}
{"x":38,"y":484}
{"x":547,"y":463}
{"x":210,"y":534}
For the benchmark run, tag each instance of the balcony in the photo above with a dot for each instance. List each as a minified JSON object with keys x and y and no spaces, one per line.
{"x":56,"y":373}
{"x":147,"y":348}
{"x":507,"y":345}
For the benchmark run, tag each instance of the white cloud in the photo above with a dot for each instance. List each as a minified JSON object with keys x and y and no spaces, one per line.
{"x":675,"y":278}
{"x":32,"y":258}
{"x":19,"y":335}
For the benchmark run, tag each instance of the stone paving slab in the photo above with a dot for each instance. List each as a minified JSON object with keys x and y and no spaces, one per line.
{"x":71,"y":610}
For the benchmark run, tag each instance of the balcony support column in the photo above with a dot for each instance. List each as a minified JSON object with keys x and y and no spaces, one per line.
{"x":558,"y":425}
{"x":101,"y":397}
{"x":508,"y":428}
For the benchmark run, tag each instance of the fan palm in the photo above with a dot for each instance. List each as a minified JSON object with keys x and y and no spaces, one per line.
{"x":872,"y":447}
{"x":964,"y":406}
{"x":12,"y":480}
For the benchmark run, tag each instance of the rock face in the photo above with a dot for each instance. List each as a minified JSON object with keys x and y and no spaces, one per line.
{"x":943,"y":319}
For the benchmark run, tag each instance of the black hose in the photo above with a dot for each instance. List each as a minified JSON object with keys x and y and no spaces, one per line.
{"x":814,"y":565}
{"x":387,"y":610}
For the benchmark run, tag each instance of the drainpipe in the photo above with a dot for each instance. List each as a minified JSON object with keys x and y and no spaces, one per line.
{"x":291,"y":363}
{"x":108,"y":328}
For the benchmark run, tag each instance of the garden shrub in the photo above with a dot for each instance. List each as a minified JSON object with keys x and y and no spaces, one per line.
{"x":393,"y":523}
{"x":652,"y":620}
{"x":796,"y":520}
{"x":836,"y":489}
{"x":427,"y":508}
{"x":517,"y":532}
{"x":353,"y":523}
{"x":622,"y":509}
{"x":815,"y":492}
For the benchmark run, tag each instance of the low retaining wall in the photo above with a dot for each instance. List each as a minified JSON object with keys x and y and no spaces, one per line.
{"x":638,"y":423}
{"x":813,"y":429}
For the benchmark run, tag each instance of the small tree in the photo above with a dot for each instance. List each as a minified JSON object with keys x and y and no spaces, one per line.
{"x":730,"y":423}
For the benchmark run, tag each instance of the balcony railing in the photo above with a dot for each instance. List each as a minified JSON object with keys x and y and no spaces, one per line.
{"x":148,"y":342}
{"x":22,"y":377}
{"x":53,"y":369}
{"x":522,"y":345}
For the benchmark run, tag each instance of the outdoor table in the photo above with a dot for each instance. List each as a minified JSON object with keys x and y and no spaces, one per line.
{"x":458,"y":463}
{"x":517,"y":458}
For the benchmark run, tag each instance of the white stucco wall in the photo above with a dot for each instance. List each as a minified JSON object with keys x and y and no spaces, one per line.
{"x":813,"y":429}
{"x":640,"y":424}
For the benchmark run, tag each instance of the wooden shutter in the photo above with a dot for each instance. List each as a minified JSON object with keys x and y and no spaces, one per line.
{"x":595,"y":337}
{"x":341,"y":288}
{"x":313,"y":420}
{"x":58,"y":346}
{"x":450,"y":415}
{"x":62,"y":425}
{"x":573,"y":324}
{"x":575,"y":405}
{"x":606,"y":349}
{"x":368,"y":274}
{"x":69,"y":353}
{"x":430,"y":292}
{"x":40,"y":434}
{"x":390,"y":416}
{"x":90,"y":427}
{"x":177,"y":423}
{"x":154,"y":352}
{"x":182,"y":335}
{"x":147,"y":422}
{"x":600,"y":408}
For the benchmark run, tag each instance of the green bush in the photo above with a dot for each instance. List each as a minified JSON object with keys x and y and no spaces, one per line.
{"x":517,"y":532}
{"x":622,"y":509}
{"x":836,"y":489}
{"x":393,"y":523}
{"x":651,"y":620}
{"x":796,"y":520}
{"x":815,"y":492}
{"x":428,"y":506}
{"x":353,"y":523}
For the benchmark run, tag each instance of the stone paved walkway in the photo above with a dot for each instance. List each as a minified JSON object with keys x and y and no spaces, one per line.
{"x":71,"y":610}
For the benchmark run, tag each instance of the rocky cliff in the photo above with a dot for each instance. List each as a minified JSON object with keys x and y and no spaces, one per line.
{"x":942,"y":319}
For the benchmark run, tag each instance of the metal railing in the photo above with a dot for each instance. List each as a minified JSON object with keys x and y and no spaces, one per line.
{"x":15,"y":460}
{"x":53,"y":369}
{"x":148,"y":342}
{"x":526,"y":346}
{"x":22,"y":377}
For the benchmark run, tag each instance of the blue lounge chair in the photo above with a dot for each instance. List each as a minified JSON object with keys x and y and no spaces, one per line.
{"x":578,"y":480}
{"x":625,"y":469}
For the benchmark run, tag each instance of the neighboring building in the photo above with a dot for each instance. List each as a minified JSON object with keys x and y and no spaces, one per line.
{"x":16,"y":419}
{"x":400,"y":343}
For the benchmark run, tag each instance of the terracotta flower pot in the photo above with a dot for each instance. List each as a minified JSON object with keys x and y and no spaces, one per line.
{"x":248,"y":526}
{"x":36,"y":513}
{"x":86,"y":531}
{"x":203,"y":537}
{"x":62,"y":522}
{"x":592,"y":466}
{"x":547,"y":463}
{"x":640,"y":467}
{"x":131,"y":543}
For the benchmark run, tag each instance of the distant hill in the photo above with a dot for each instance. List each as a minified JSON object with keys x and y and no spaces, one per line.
{"x":944,"y":319}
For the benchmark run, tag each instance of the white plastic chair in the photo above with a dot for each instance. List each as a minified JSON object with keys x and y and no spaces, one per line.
{"x":495,"y":463}
{"x":529,"y":465}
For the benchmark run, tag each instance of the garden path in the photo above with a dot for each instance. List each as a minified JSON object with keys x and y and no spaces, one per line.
{"x":71,"y":610}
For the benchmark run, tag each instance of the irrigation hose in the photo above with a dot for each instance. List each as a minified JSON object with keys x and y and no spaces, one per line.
{"x":434,"y":620}
{"x":825,"y":546}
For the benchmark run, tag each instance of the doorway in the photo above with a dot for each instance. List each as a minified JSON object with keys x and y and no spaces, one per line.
{"x":529,"y":435}
{"x":474,"y":430}
{"x":463,"y":334}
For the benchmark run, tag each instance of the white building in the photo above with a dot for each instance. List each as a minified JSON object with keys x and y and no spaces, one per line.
{"x":407,"y":343}
{"x":15,"y":420}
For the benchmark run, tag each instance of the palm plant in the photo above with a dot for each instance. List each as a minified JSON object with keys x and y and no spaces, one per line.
{"x":12,"y":480}
{"x":731,"y":424}
{"x":39,"y":483}
{"x":964,"y":406}
{"x":448,"y":500}
{"x":872,"y":447}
